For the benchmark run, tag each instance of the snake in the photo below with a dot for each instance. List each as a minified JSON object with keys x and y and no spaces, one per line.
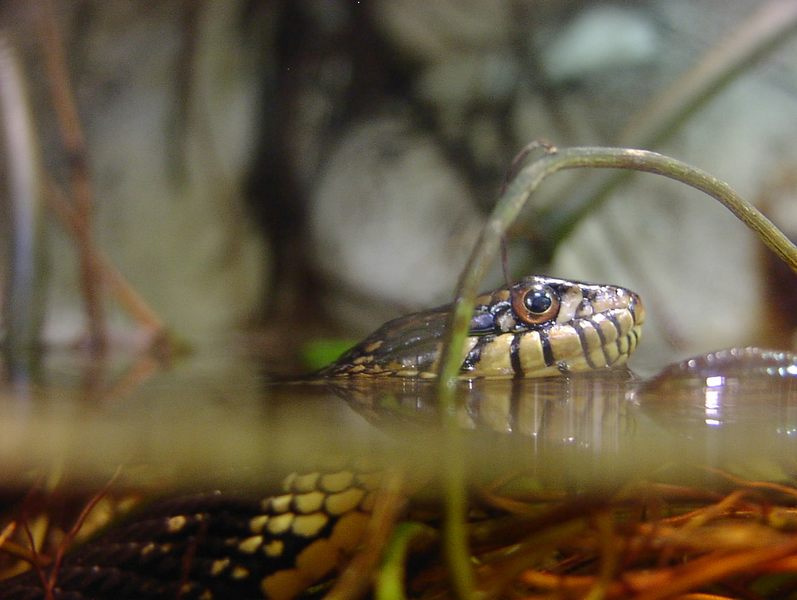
{"x":219,"y":545}
{"x":536,"y":327}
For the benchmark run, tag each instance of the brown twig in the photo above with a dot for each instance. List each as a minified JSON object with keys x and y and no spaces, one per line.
{"x":7,"y":532}
{"x":73,"y":531}
{"x":52,"y":48}
{"x":36,"y":562}
{"x":143,"y":369}
{"x":771,"y":486}
{"x":115,"y":282}
{"x":707,"y":569}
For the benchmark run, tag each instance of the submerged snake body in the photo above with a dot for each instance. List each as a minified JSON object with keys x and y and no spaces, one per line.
{"x":221,"y":546}
{"x":217,"y":546}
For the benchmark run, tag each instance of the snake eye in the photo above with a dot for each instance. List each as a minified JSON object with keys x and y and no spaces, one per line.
{"x":536,"y":305}
{"x":538,"y":302}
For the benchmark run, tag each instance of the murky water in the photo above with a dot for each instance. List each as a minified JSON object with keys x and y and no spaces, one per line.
{"x":215,"y":419}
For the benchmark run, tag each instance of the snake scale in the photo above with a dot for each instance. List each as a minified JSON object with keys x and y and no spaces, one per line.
{"x":224,"y":546}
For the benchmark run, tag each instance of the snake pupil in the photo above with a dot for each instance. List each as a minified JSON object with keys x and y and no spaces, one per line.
{"x":538,"y":301}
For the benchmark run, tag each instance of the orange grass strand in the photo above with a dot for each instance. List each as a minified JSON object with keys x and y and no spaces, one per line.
{"x":390,"y":503}
{"x":35,"y":562}
{"x":52,"y":47}
{"x":757,"y":485}
{"x":710,"y":568}
{"x":126,"y":295}
{"x":7,"y":532}
{"x":609,"y":556}
{"x":73,"y":531}
{"x":502,"y":573}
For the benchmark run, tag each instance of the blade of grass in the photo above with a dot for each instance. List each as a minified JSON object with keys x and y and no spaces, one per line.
{"x":390,"y":581}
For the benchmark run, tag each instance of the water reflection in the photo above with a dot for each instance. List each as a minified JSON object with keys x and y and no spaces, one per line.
{"x":584,"y":410}
{"x":213,"y":418}
{"x":738,"y":392}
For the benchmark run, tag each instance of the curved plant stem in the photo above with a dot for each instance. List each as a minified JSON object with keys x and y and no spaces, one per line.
{"x":485,"y":252}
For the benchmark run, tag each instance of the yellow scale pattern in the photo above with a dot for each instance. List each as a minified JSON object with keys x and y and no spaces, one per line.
{"x":312,"y":502}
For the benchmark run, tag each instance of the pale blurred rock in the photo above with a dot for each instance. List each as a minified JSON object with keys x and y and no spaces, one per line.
{"x":485,"y":78}
{"x":429,"y":31}
{"x":391,"y":221}
{"x":599,"y":38}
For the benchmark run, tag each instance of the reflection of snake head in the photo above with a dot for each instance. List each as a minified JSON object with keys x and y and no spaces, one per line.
{"x":537,"y":326}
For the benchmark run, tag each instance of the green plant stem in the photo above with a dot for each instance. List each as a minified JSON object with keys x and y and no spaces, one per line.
{"x":485,"y":252}
{"x":390,"y":581}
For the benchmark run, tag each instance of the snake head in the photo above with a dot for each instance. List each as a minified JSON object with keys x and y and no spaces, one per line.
{"x":535,"y":327}
{"x":539,"y":326}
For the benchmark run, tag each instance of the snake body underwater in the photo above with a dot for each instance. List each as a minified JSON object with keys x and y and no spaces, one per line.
{"x":224,"y":546}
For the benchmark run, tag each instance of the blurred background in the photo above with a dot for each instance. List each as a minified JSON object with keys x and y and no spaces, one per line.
{"x":197,"y":195}
{"x":180,"y":173}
